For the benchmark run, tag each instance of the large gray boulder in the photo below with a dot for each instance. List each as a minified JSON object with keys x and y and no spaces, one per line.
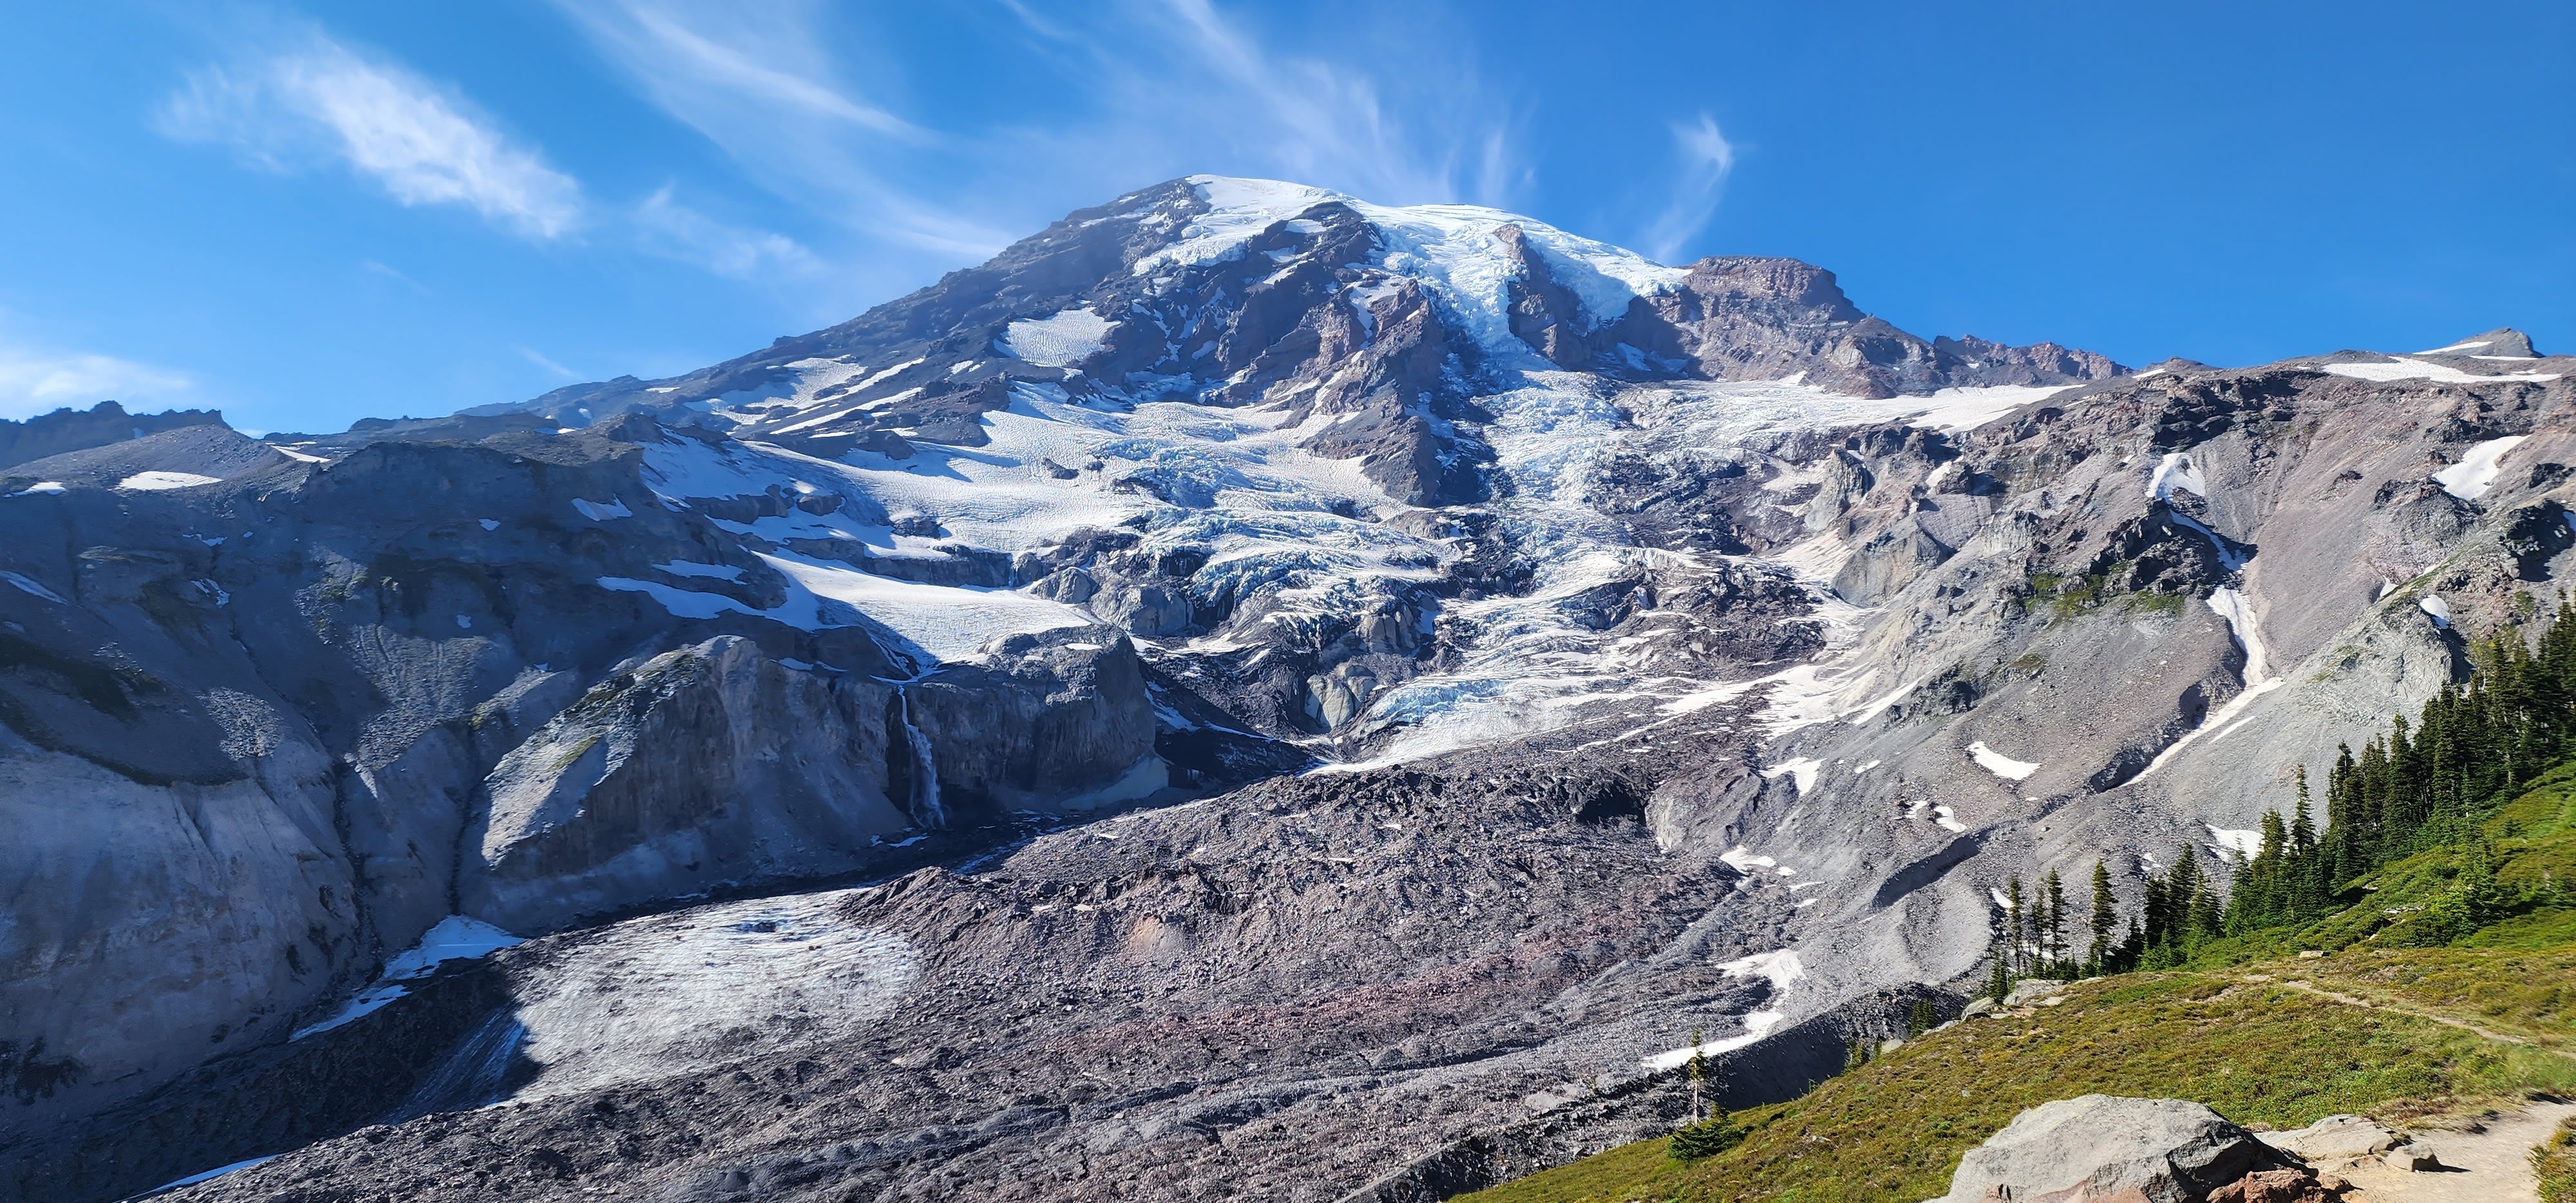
{"x":2100,"y":1149}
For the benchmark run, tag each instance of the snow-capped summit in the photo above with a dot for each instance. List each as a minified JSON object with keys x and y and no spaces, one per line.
{"x":1269,"y":382}
{"x":1232,"y":291}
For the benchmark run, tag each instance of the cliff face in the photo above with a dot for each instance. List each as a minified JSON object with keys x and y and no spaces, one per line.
{"x":264,"y":731}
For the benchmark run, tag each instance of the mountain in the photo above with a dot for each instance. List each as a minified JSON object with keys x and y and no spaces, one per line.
{"x":69,"y":430}
{"x":1241,"y":692}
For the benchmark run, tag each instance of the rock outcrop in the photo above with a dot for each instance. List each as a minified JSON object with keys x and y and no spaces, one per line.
{"x":2103,"y":1149}
{"x":711,"y":763}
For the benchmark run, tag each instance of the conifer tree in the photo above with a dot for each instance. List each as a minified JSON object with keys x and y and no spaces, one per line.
{"x":2052,"y":941}
{"x":2106,"y":917}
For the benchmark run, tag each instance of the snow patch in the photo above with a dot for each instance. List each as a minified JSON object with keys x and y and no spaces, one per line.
{"x":2175,"y":471}
{"x":2416,"y":369}
{"x":1947,"y":818}
{"x":1956,"y":409}
{"x":42,"y":486}
{"x":156,"y":481}
{"x":1059,"y":341}
{"x":2238,"y":609}
{"x":682,"y":603}
{"x":1801,"y":772}
{"x":2439,"y":609}
{"x":2222,"y":720}
{"x":2244,"y":843}
{"x":2246,"y":626}
{"x":602,"y":511}
{"x":1742,"y":860}
{"x":1779,"y":968}
{"x":454,"y":938}
{"x":27,"y":584}
{"x":721,"y":572}
{"x":2476,"y":472}
{"x":948,"y":621}
{"x":2001,"y":765}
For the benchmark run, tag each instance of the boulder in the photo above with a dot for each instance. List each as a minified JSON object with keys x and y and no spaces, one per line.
{"x":2025,"y":993}
{"x":2276,"y":1186}
{"x":2101,"y":1149}
{"x":2412,"y":1158}
{"x":2335,"y":1138}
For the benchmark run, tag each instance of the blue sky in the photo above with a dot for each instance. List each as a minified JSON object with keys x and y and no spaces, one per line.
{"x":307,"y":214}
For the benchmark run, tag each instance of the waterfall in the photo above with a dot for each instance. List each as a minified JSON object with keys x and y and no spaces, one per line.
{"x":925,"y":770}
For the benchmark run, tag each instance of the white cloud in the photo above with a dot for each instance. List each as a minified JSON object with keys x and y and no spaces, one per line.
{"x":423,"y":144}
{"x":33,"y":381}
{"x":1151,"y":89}
{"x":1706,"y":159}
{"x":1185,"y":87}
{"x":756,"y":82}
{"x":667,"y":227}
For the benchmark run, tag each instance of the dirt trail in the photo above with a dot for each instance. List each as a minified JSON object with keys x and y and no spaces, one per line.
{"x":2352,"y":1000}
{"x":2488,"y":1166}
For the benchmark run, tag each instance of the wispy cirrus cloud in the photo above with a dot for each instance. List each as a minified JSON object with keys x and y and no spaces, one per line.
{"x":1150,"y":89}
{"x":34,"y":380}
{"x":674,"y":230}
{"x":759,"y":85}
{"x":532,"y":355}
{"x":313,"y":99}
{"x":1704,"y":161}
{"x":1415,"y":130}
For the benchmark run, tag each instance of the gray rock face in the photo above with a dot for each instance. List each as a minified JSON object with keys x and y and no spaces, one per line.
{"x":1745,"y":318}
{"x":712,"y":763}
{"x":2098,"y":1148}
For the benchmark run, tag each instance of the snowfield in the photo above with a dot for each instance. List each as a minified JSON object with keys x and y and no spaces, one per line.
{"x":1060,"y":341}
{"x":2416,"y":369}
